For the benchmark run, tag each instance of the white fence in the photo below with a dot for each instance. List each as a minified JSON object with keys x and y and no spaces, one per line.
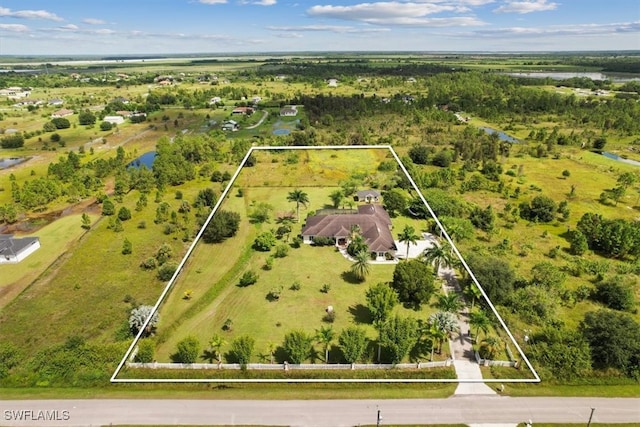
{"x":487,"y":362}
{"x":290,"y":366}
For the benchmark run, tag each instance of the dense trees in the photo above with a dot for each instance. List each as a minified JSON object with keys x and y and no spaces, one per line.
{"x":414,"y":281}
{"x":223,"y":225}
{"x":616,"y":238}
{"x":541,"y":209}
{"x":494,"y":275}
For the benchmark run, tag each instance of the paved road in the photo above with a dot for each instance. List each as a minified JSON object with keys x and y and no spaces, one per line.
{"x":319,"y":413}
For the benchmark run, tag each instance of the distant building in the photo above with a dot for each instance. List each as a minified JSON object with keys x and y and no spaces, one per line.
{"x":56,"y":101}
{"x":289,"y":111}
{"x":332,"y":82}
{"x":13,"y":250}
{"x":62,"y":113}
{"x":243,"y":110}
{"x":114,"y":120}
{"x":215,"y":100}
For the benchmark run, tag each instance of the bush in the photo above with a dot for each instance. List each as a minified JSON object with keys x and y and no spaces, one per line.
{"x":165,"y":272}
{"x":323,"y":241}
{"x":248,"y":278}
{"x":12,"y":141}
{"x":61,"y":123}
{"x":187,"y":350}
{"x":282,"y":251}
{"x":105,"y":126}
{"x":124,"y":214}
{"x":265,"y":241}
{"x":616,"y":294}
{"x":149,"y":264}
{"x":146,"y":351}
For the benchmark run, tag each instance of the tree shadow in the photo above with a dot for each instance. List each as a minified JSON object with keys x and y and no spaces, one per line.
{"x":280,"y":355}
{"x":210,"y":356}
{"x":360,"y":313}
{"x":421,"y":351}
{"x":349,"y":277}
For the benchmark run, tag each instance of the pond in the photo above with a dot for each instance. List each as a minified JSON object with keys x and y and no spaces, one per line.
{"x":11,"y":161}
{"x":620,"y":159}
{"x":146,"y":159}
{"x":282,"y":131}
{"x":503,"y":136}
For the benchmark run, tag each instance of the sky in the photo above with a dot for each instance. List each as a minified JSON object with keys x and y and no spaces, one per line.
{"x":70,"y":27}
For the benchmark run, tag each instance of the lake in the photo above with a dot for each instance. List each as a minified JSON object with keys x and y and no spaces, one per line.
{"x":503,"y":136}
{"x":620,"y":159}
{"x":562,"y":75}
{"x":146,"y":159}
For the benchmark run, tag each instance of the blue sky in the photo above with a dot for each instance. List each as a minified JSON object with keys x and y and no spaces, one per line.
{"x":66,"y":27}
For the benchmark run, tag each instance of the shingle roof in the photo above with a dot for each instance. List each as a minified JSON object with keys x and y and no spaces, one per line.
{"x":373,"y":220}
{"x":12,"y":247}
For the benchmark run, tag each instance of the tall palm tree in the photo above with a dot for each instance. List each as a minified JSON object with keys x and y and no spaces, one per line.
{"x":360,"y":267}
{"x":439,"y":256}
{"x":437,"y":335}
{"x":300,"y":198}
{"x":480,"y":321}
{"x":490,"y":347}
{"x":216,"y":343}
{"x":473,"y":293}
{"x":449,"y":302}
{"x":325,"y":336}
{"x":408,"y":235}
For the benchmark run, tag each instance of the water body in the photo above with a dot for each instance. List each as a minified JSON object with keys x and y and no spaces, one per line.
{"x":563,"y":75}
{"x":146,"y":159}
{"x":281,"y":131}
{"x":620,"y":159}
{"x":11,"y":161}
{"x":503,"y":136}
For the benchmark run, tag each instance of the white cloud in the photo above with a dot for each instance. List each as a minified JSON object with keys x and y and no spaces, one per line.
{"x":14,"y":28}
{"x":69,"y":27}
{"x":93,"y":21}
{"x":400,"y":13}
{"x":258,"y":2}
{"x":212,"y":1}
{"x":330,"y":28}
{"x":565,"y":30}
{"x":29,"y":14}
{"x":526,"y":6}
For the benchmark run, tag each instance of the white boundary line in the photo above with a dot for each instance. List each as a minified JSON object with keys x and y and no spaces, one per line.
{"x":337,"y":380}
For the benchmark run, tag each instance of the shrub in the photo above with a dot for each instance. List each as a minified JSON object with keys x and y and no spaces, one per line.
{"x":615,"y":294}
{"x":105,"y":126}
{"x":295,"y":286}
{"x":187,"y":350}
{"x":282,"y":251}
{"x":323,"y":241}
{"x":149,"y":263}
{"x":124,"y":214}
{"x":248,"y":278}
{"x":165,"y":272}
{"x":146,"y":351}
{"x":265,"y":241}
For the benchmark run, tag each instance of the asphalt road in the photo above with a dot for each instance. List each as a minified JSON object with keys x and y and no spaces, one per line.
{"x":317,"y":413}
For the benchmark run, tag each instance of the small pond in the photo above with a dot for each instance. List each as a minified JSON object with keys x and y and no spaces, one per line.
{"x":563,"y":75}
{"x":620,"y":159}
{"x":503,"y":136}
{"x":146,"y":159}
{"x":11,"y":161}
{"x":282,"y":131}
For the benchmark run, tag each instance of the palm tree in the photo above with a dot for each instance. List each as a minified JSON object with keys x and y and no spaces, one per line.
{"x":325,"y":336}
{"x":408,"y":236}
{"x":437,"y":336}
{"x":449,"y":302}
{"x":300,"y":198}
{"x":480,"y":321}
{"x":490,"y":347}
{"x":216,"y":343}
{"x":473,"y":293}
{"x":441,"y":325}
{"x":271,"y":348}
{"x":439,"y":256}
{"x":360,"y":267}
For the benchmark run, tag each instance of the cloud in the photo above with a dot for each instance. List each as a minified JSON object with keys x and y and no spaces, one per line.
{"x":400,"y":13}
{"x":14,"y":28}
{"x":258,"y":2}
{"x":330,"y":28}
{"x":526,"y":6}
{"x":212,"y":1}
{"x":70,"y":27}
{"x":93,"y":21}
{"x":289,"y":35}
{"x":29,"y":14}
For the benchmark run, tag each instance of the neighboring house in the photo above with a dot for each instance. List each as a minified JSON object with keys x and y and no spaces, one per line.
{"x":256,"y":99}
{"x":56,"y":101}
{"x":15,"y":92}
{"x":368,"y":196}
{"x":230,"y":125}
{"x":332,"y":82}
{"x":411,"y":80}
{"x":289,"y":111}
{"x":242,"y":110}
{"x":215,"y":100}
{"x":374,"y":224}
{"x":28,"y":102}
{"x":121,"y":100}
{"x":114,"y":120}
{"x":124,"y":113}
{"x":14,"y":250}
{"x":62,"y":113}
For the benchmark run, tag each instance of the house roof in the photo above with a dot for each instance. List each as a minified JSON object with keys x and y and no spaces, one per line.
{"x":10,"y":246}
{"x":362,"y":194}
{"x":373,"y":220}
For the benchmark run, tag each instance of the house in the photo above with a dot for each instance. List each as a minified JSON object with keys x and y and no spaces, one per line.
{"x":56,"y":101}
{"x":215,"y":100}
{"x":61,"y":113}
{"x":243,"y":110}
{"x":289,"y":111}
{"x":230,"y":125}
{"x":114,"y":120}
{"x":13,"y":250}
{"x":15,"y":92}
{"x":368,"y":196}
{"x":332,"y":82}
{"x":372,"y":220}
{"x":256,"y":99}
{"x":121,"y":100}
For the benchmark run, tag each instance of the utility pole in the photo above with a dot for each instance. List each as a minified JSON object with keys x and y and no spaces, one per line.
{"x":590,"y":417}
{"x":378,"y":419}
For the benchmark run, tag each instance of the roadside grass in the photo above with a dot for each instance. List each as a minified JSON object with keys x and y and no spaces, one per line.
{"x":55,"y":239}
{"x":260,"y":391}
